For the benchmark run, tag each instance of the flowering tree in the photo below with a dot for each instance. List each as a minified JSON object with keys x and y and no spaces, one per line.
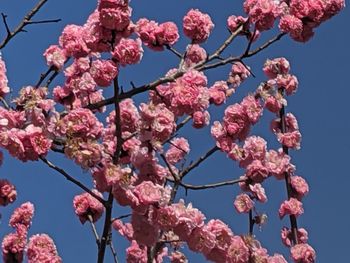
{"x":137,"y":156}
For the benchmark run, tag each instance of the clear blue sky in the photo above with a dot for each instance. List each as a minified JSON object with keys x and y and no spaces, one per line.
{"x":321,"y":106}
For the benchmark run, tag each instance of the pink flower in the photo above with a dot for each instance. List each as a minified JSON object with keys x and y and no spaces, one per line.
{"x":22,"y":215}
{"x":126,"y":230}
{"x":252,"y":108}
{"x":286,"y":236}
{"x":238,"y":252}
{"x":200,"y":119}
{"x":238,"y":74}
{"x":167,"y":33}
{"x":55,"y":56}
{"x":148,"y":192}
{"x":72,"y":41}
{"x":291,"y":207}
{"x":144,"y":232}
{"x":178,"y":257}
{"x":4,"y":89}
{"x":276,"y":258}
{"x":233,"y":22}
{"x":256,"y":171}
{"x":86,"y":205}
{"x":218,"y":92}
{"x":254,"y":149}
{"x":13,"y":246}
{"x":136,"y":253}
{"x":243,"y":203}
{"x":8,"y":193}
{"x":179,"y":147}
{"x":288,"y":82}
{"x":303,"y":253}
{"x":291,"y":24}
{"x":103,"y":72}
{"x":262,"y":12}
{"x":194,"y":55}
{"x":128,"y":51}
{"x":114,"y":16}
{"x":259,"y":192}
{"x":300,"y":186}
{"x":278,"y":163}
{"x":41,"y":248}
{"x":201,"y":240}
{"x":197,"y":26}
{"x":236,"y":122}
{"x":276,"y":66}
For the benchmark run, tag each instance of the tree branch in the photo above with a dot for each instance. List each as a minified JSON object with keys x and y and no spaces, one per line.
{"x":72,"y":179}
{"x":211,"y":186}
{"x":26,"y":21}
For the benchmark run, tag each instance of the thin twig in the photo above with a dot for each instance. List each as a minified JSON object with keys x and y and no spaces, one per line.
{"x":72,"y":179}
{"x":198,"y":162}
{"x":43,"y":76}
{"x":174,"y":51}
{"x":93,"y":227}
{"x":211,"y":186}
{"x":25,"y":21}
{"x":114,"y":253}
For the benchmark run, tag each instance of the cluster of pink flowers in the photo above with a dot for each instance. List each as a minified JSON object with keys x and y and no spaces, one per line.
{"x":8,"y":193}
{"x":86,"y":206}
{"x":155,"y":35}
{"x":194,"y":55}
{"x":179,"y":147}
{"x":197,"y":26}
{"x":238,"y":74}
{"x":41,"y":248}
{"x":114,"y":15}
{"x":4,"y":89}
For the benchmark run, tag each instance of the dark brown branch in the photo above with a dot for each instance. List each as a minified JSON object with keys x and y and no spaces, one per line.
{"x":198,"y":162}
{"x":264,"y":46}
{"x":114,"y":253}
{"x":43,"y":76}
{"x":174,"y":51}
{"x":292,"y":218}
{"x":43,"y":21}
{"x":72,"y":179}
{"x":26,"y":21}
{"x":211,"y":186}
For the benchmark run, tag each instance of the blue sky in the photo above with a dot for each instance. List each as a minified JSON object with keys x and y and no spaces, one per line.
{"x":321,"y":106}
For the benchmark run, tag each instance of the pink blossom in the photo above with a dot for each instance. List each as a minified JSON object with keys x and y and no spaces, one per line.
{"x":72,"y":41}
{"x":218,"y":92}
{"x":167,"y":33}
{"x":259,"y":192}
{"x":136,"y":253}
{"x":286,"y":235}
{"x":114,"y":16}
{"x":272,"y":104}
{"x":238,"y":252}
{"x":103,"y":72}
{"x":80,"y":122}
{"x":144,"y":232}
{"x":233,"y":22}
{"x":8,"y":193}
{"x":13,"y":246}
{"x":147,"y":31}
{"x":128,"y":51}
{"x":179,"y":147}
{"x":194,"y":55}
{"x":300,"y":186}
{"x":256,"y":171}
{"x":55,"y":56}
{"x":288,"y":82}
{"x":41,"y":248}
{"x":262,"y":13}
{"x":4,"y":89}
{"x":291,"y":207}
{"x":276,"y":66}
{"x":238,"y":74}
{"x":200,"y":119}
{"x":243,"y":203}
{"x":201,"y":240}
{"x":126,"y":230}
{"x":291,"y":24}
{"x":252,"y":108}
{"x":22,"y":215}
{"x":197,"y":26}
{"x":278,"y":163}
{"x":148,"y":192}
{"x":254,"y":149}
{"x":303,"y":253}
{"x":290,"y":139}
{"x":86,"y":205}
{"x":276,"y":258}
{"x":236,"y":122}
{"x":178,"y":257}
